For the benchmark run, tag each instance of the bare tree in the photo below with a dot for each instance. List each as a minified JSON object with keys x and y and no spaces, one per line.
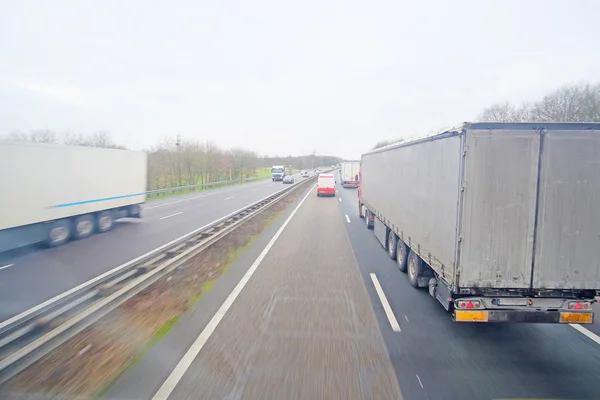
{"x":571,"y":104}
{"x":577,"y":103}
{"x":383,"y":143}
{"x":74,"y":139}
{"x":40,"y":136}
{"x":96,"y":139}
{"x":498,"y":113}
{"x":193,"y":156}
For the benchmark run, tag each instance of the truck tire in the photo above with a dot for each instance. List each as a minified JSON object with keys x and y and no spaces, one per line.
{"x":59,"y":233}
{"x":368,"y":219}
{"x":415,"y":269}
{"x":83,"y":226}
{"x":106,"y":221}
{"x":391,"y":244}
{"x":401,"y":255}
{"x":135,"y":211}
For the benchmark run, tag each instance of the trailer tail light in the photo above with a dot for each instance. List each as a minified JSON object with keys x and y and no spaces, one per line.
{"x":469,"y":304}
{"x":579,"y":305}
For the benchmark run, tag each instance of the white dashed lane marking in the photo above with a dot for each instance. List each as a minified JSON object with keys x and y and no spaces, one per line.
{"x":386,"y":306}
{"x":172,"y":215}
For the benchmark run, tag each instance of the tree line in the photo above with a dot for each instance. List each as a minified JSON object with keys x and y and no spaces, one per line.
{"x":571,"y":103}
{"x":190,"y":162}
{"x":95,"y":139}
{"x":575,"y":103}
{"x":181,"y":162}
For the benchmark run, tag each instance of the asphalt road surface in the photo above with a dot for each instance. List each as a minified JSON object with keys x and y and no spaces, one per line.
{"x":32,"y":275}
{"x":302,"y":327}
{"x":435,"y":358}
{"x":328,"y":315}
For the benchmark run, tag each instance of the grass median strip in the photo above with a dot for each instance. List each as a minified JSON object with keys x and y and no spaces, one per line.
{"x":87,"y":364}
{"x":260,"y":175}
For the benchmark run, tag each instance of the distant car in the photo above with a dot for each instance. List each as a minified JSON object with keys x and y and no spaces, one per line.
{"x":304,"y":174}
{"x":288,"y":179}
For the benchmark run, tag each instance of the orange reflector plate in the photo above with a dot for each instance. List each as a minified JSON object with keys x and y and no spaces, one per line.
{"x":471,"y":316}
{"x":579,"y":318}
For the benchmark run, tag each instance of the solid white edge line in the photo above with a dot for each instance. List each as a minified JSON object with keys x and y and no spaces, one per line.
{"x":118,"y":268}
{"x":586,"y":332}
{"x":7,"y":266}
{"x":172,"y":215}
{"x":386,"y":306}
{"x":173,"y":379}
{"x":347,"y":218}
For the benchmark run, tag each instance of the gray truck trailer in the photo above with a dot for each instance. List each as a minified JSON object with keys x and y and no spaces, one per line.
{"x":501,"y":221}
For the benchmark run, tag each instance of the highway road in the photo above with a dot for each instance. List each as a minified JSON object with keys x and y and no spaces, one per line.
{"x":32,"y":275}
{"x":323,"y":312}
{"x":469,"y":361}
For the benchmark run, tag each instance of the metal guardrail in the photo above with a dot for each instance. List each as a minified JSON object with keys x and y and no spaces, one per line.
{"x":29,"y":336}
{"x":200,"y":186}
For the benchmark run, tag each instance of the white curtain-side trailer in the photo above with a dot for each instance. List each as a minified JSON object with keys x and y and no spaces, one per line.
{"x":53,"y":193}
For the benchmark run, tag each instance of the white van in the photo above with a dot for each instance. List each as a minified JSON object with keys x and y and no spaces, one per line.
{"x":326,"y":185}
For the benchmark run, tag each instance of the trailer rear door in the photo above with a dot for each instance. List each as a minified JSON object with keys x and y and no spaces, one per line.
{"x":567,"y":249}
{"x":500,"y":177}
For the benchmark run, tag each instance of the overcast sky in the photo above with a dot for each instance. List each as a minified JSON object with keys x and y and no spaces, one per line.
{"x":283,"y":77}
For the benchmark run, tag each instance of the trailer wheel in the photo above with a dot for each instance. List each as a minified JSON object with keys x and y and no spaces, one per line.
{"x":106,"y":221}
{"x":135,"y":211}
{"x":415,"y":269}
{"x":401,"y":255}
{"x":368,"y":219}
{"x":83,"y":226}
{"x":59,"y":233}
{"x":391,"y":244}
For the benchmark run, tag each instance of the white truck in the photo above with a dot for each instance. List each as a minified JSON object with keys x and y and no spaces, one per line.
{"x":52,"y":193}
{"x":277,"y":172}
{"x":501,"y":221}
{"x":349,"y":173}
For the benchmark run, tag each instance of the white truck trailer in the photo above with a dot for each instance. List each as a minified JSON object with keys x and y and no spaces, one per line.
{"x":53,"y":193}
{"x":349,"y":173}
{"x":501,"y":221}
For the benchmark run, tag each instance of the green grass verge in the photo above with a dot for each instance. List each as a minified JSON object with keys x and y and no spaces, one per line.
{"x":261,"y":174}
{"x":163,"y":330}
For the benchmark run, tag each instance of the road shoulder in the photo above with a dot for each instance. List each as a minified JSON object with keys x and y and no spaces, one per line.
{"x":143,"y":379}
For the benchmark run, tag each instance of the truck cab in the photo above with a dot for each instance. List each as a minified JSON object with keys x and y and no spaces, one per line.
{"x":277,"y":172}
